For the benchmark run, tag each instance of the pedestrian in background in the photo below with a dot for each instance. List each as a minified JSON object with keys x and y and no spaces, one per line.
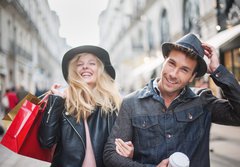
{"x":1,"y":130}
{"x":21,"y":92}
{"x":12,"y":98}
{"x":166,"y":116}
{"x":79,"y":119}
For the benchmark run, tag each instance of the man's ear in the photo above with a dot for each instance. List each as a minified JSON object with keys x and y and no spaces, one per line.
{"x":193,"y":77}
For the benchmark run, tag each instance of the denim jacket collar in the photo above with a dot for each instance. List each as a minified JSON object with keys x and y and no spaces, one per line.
{"x":148,"y":91}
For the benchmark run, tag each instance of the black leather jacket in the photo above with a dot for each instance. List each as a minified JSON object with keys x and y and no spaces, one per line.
{"x":58,"y":127}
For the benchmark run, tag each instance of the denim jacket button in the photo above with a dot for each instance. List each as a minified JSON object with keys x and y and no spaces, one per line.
{"x":168,"y":135}
{"x":144,"y":124}
{"x":190,"y":116}
{"x":218,"y":75}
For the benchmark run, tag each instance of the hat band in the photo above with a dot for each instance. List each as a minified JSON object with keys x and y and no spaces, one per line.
{"x":188,"y":46}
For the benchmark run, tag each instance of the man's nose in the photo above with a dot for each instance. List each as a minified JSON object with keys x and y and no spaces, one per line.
{"x":173,"y":72}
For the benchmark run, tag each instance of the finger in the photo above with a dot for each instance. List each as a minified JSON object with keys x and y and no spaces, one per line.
{"x":127,"y":146}
{"x":129,"y":143}
{"x":119,"y":146}
{"x":55,"y":86}
{"x":164,"y":163}
{"x":118,"y":151}
{"x":56,"y":91}
{"x":122,"y":147}
{"x":123,"y":144}
{"x":208,"y":54}
{"x":207,"y":46}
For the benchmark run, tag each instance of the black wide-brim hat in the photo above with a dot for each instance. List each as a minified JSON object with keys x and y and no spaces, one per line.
{"x":189,"y":44}
{"x":99,"y":52}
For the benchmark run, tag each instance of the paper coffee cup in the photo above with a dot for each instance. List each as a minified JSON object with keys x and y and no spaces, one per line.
{"x":178,"y":159}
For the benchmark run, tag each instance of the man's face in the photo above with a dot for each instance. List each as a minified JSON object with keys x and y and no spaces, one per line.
{"x":177,"y":72}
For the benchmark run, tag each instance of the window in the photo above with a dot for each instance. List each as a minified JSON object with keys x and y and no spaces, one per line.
{"x":150,"y":35}
{"x":191,"y":16}
{"x":137,"y":40}
{"x":164,"y":25}
{"x":232,"y":61}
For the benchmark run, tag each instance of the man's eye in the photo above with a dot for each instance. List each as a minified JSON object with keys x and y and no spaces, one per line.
{"x":185,"y":70}
{"x":171,"y":63}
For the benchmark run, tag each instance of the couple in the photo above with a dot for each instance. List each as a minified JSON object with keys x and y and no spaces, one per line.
{"x":152,"y":123}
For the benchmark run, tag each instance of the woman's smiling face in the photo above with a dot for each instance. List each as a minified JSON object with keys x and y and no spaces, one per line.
{"x":87,"y":68}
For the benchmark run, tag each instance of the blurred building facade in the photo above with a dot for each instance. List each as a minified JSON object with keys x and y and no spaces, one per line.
{"x":133,"y":31}
{"x":30,"y":46}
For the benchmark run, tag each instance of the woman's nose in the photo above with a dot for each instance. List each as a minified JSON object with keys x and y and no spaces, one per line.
{"x":85,"y":66}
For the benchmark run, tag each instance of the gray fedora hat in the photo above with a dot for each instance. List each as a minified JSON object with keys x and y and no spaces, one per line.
{"x":99,"y":52}
{"x":189,"y":44}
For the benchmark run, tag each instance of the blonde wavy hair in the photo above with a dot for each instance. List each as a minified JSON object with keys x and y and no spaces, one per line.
{"x":81,"y":100}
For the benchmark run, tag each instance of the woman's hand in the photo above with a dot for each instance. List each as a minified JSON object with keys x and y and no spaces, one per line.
{"x":125,"y":149}
{"x":56,"y":89}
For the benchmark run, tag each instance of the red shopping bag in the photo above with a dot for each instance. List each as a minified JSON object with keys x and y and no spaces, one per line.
{"x":22,"y":135}
{"x":8,"y":118}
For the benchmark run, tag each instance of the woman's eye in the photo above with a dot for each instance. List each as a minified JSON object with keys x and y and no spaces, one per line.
{"x":92,"y":63}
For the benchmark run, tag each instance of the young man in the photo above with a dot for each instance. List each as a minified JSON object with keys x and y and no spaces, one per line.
{"x":167,"y":116}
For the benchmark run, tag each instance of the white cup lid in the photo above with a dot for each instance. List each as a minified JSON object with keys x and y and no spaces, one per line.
{"x":179,"y":159}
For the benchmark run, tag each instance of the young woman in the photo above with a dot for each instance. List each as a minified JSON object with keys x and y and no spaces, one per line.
{"x":78,"y":120}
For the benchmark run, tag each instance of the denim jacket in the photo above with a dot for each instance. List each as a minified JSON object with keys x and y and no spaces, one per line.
{"x":157,"y":131}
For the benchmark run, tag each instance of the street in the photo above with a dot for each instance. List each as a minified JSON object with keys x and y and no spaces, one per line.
{"x":225,"y":146}
{"x":10,"y":159}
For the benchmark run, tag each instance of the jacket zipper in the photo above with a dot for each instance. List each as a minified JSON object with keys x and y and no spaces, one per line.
{"x":50,"y":109}
{"x":75,"y":131}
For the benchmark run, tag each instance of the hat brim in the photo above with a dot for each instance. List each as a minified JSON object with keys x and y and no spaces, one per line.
{"x":202,"y":66}
{"x":97,"y":51}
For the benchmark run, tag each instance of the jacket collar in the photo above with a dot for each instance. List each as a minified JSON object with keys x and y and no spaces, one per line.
{"x":148,"y":91}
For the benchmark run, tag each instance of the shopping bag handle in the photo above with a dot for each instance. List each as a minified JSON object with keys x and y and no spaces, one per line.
{"x":44,"y":99}
{"x":44,"y":94}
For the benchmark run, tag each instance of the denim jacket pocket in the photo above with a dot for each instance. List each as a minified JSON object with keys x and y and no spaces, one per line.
{"x":147,"y":130}
{"x":190,"y":123}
